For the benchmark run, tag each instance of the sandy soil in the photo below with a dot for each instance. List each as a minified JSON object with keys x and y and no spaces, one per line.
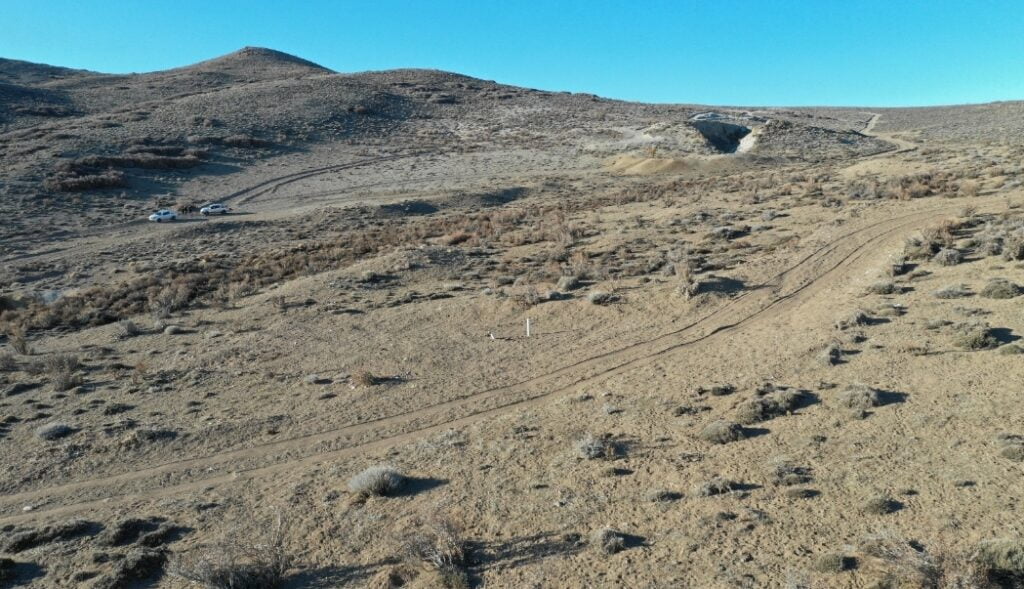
{"x":749,"y":367}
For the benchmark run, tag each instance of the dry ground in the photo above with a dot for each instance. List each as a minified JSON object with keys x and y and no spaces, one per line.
{"x":787,"y":367}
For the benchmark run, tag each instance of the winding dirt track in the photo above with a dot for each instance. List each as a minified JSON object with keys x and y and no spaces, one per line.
{"x":820,"y":269}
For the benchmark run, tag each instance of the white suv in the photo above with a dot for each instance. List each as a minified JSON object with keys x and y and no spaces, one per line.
{"x":163,"y":215}
{"x":214,"y":209}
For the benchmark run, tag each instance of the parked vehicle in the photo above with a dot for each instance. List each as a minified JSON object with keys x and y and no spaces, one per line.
{"x":163,"y":215}
{"x":214,"y":209}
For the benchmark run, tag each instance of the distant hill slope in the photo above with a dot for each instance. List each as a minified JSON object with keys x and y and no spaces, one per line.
{"x":64,"y":130}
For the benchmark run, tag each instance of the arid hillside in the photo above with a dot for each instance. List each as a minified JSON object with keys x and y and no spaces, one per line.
{"x":454,"y":333}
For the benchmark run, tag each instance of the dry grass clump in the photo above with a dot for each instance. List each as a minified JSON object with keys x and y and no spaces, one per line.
{"x":78,"y":181}
{"x":1011,"y":447}
{"x":607,"y":540}
{"x":786,"y":474}
{"x":54,"y":431}
{"x":1011,"y":350}
{"x":1001,"y":561}
{"x":897,"y":563}
{"x":975,"y":337}
{"x":599,"y":297}
{"x":7,"y":362}
{"x":858,"y":397}
{"x":127,"y":328}
{"x":380,"y":481}
{"x":831,"y":355}
{"x":1000,"y":288}
{"x":856,"y":319}
{"x":137,"y":160}
{"x":880,"y":504}
{"x":715,"y":486}
{"x":438,"y":545}
{"x":1013,"y":250}
{"x":251,"y":558}
{"x":768,"y":406}
{"x":885,"y":287}
{"x":365,"y":378}
{"x":62,"y":369}
{"x":593,"y":447}
{"x":833,"y":562}
{"x":954,"y":291}
{"x":948,"y":257}
{"x":722,"y":432}
{"x":18,"y":342}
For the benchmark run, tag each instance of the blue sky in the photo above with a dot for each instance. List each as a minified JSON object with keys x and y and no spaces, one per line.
{"x":730,"y":52}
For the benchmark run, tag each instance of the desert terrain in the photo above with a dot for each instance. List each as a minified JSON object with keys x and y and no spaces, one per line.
{"x":768,"y":347}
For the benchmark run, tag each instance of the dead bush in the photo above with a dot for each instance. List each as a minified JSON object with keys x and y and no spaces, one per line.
{"x":884,"y":287}
{"x":879,"y":504}
{"x":365,"y":378}
{"x":78,"y":182}
{"x":127,"y":328}
{"x":18,"y":341}
{"x":1001,"y":561}
{"x":715,"y":486}
{"x":722,"y":432}
{"x":593,"y":447}
{"x":763,"y":408}
{"x":437,"y":544}
{"x":607,"y":540}
{"x":948,"y":257}
{"x":1000,"y":288}
{"x":955,"y":291}
{"x":975,"y":337}
{"x":254,"y":557}
{"x":380,"y":481}
{"x":897,"y":563}
{"x":858,"y":397}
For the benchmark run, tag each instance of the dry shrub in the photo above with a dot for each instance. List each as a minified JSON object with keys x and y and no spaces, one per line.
{"x":245,"y":558}
{"x":1001,"y":561}
{"x":722,"y":432}
{"x":885,"y":287}
{"x":7,"y":362}
{"x":766,"y":407}
{"x":380,"y":481}
{"x":970,"y":188}
{"x":1013,"y":250}
{"x":77,"y":182}
{"x":955,"y":291}
{"x":948,"y":257}
{"x":18,"y":341}
{"x":608,"y":540}
{"x":1000,"y":288}
{"x":715,"y":486}
{"x":897,"y":563}
{"x":63,"y":370}
{"x":365,"y":378}
{"x":127,"y":328}
{"x":141,"y":160}
{"x":975,"y":337}
{"x":437,"y":544}
{"x":592,"y":447}
{"x":858,"y":397}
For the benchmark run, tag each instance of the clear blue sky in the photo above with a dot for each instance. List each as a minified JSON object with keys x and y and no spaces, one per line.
{"x":770,"y":52}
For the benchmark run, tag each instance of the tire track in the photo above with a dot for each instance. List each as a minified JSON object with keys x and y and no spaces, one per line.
{"x":812,"y":269}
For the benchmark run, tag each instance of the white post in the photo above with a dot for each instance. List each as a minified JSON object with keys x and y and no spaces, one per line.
{"x":527,"y":327}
